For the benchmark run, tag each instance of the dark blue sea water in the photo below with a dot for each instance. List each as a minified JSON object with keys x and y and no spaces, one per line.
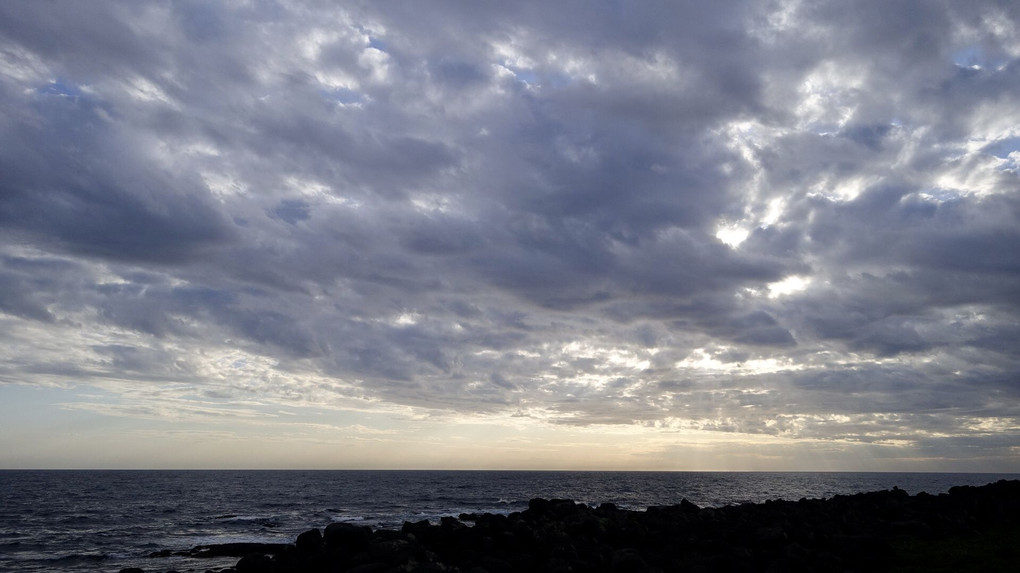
{"x":108,"y":520}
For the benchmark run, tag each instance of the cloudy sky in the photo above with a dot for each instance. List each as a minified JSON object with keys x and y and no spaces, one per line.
{"x":591,"y":234}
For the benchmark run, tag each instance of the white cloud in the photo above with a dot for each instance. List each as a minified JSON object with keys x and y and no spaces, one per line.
{"x":788,"y":286}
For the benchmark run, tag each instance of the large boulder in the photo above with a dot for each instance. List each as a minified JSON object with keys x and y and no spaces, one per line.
{"x":967,"y":529}
{"x":254,"y":563}
{"x":347,"y":535}
{"x":309,"y":541}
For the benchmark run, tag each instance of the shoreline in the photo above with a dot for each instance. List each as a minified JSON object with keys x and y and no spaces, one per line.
{"x":970,"y":528}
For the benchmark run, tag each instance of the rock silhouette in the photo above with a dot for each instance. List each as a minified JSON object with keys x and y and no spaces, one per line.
{"x":967,"y":529}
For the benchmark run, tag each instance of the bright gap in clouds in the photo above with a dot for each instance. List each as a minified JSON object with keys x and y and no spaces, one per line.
{"x":732,"y":235}
{"x":789,"y":285}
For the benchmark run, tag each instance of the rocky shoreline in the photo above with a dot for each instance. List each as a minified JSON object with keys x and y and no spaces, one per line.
{"x":968,"y":529}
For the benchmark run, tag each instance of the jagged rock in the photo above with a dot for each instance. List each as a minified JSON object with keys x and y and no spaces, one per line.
{"x":367,"y":568}
{"x":538,"y":506}
{"x":451,"y":524}
{"x":254,"y":563}
{"x":346,"y":534}
{"x":390,"y":550}
{"x":627,"y":561}
{"x":309,"y":541}
{"x":865,"y":532}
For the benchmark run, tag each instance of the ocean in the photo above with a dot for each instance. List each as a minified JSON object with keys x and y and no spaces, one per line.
{"x":70,"y":520}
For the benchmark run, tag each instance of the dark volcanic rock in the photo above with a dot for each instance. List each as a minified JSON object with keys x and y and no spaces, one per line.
{"x":309,"y":541}
{"x":967,"y":529}
{"x":255,"y":563}
{"x":346,"y":535}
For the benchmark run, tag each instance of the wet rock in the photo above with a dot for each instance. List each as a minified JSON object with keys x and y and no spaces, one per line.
{"x":627,"y":561}
{"x":309,"y":541}
{"x":346,"y":535}
{"x":367,"y":568}
{"x":450,"y":524}
{"x":254,"y":563}
{"x":389,"y":551}
{"x":538,"y":506}
{"x":865,"y":532}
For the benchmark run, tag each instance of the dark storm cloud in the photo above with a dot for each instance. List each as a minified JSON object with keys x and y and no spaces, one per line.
{"x":292,"y":211}
{"x":72,"y":180}
{"x":26,"y":283}
{"x":524,"y":206}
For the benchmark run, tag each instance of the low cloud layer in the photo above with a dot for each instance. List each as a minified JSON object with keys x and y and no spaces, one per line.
{"x":784,"y":225}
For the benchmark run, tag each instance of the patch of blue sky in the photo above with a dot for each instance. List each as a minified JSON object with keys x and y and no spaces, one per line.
{"x":525,"y":75}
{"x":1003,"y":147}
{"x":967,"y":56}
{"x":823,"y":129}
{"x":343,"y":96}
{"x":941,"y":195}
{"x":534,"y":78}
{"x":376,"y":43}
{"x":558,"y":80}
{"x":977,"y":58}
{"x":60,"y":87}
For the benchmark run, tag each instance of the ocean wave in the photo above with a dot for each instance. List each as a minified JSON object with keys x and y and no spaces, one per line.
{"x":271,"y":522}
{"x":77,"y":559}
{"x":348,"y":518}
{"x":198,"y":540}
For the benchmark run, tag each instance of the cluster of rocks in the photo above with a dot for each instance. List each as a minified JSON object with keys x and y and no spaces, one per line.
{"x":969,"y":528}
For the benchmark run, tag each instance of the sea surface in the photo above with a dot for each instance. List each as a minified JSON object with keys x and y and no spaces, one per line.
{"x":69,"y":520}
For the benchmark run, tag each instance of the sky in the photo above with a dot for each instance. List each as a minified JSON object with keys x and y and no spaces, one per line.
{"x":770,"y":235}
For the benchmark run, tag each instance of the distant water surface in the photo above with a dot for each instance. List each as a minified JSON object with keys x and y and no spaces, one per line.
{"x":108,"y":520}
